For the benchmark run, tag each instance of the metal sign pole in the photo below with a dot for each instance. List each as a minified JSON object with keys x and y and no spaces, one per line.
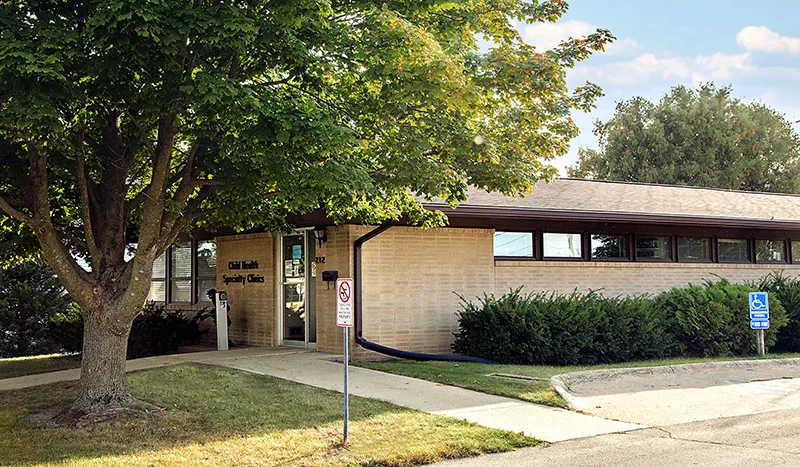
{"x":346,"y":398}
{"x":344,"y":318}
{"x":759,"y":318}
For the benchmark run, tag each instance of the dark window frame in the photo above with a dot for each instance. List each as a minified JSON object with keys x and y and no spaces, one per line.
{"x":620,"y":259}
{"x":750,"y":251}
{"x":172,"y":278}
{"x":196,"y":275}
{"x":194,"y":279}
{"x":164,"y":280}
{"x":671,"y":246}
{"x":786,"y":251}
{"x":582,"y":243}
{"x":534,"y":244}
{"x":710,"y":258}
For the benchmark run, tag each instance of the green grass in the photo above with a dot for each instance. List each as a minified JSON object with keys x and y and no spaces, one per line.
{"x":474,"y":375}
{"x":22,"y":366}
{"x":221,"y":417}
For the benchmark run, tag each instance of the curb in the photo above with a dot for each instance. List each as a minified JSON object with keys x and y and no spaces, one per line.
{"x":562,"y":382}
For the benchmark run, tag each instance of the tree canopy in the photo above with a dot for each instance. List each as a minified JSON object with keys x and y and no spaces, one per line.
{"x":700,"y":137}
{"x":125,"y":120}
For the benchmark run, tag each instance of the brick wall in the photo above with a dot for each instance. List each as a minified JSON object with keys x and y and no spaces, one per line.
{"x":252,"y":303}
{"x":411,"y":278}
{"x":613,"y":278}
{"x":338,"y":254}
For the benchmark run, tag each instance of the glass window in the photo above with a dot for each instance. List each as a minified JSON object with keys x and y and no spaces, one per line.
{"x":653,"y":248}
{"x":158,"y":289}
{"x":517,"y":244}
{"x":732,"y":250}
{"x":771,"y":251}
{"x":694,"y":249}
{"x":609,"y":246}
{"x":206,"y":269}
{"x":181,"y":272}
{"x":795,"y":251}
{"x":561,"y":245}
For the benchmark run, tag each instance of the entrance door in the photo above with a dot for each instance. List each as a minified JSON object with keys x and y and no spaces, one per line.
{"x":297,"y":311}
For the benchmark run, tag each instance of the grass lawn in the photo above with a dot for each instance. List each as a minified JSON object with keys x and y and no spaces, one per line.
{"x":474,"y":375}
{"x":21,"y":366}
{"x":221,"y":417}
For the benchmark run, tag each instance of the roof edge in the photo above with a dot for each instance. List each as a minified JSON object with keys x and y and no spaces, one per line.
{"x":608,"y":216}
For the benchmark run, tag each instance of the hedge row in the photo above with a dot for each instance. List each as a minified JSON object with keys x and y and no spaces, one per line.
{"x":556,"y":329}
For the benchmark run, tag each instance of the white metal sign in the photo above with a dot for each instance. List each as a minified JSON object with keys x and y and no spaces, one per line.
{"x":344,"y":302}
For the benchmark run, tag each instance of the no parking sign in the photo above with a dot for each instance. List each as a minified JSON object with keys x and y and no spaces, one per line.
{"x":344,"y":303}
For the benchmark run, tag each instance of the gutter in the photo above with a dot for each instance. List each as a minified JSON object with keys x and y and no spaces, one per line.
{"x":359,"y":322}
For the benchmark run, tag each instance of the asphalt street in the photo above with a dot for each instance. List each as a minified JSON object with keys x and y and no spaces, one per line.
{"x":764,"y":439}
{"x":712,"y":417}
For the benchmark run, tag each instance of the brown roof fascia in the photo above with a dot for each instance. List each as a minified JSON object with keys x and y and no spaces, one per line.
{"x":466,"y":211}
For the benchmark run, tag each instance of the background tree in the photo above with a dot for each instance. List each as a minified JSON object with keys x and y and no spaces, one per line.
{"x":30,"y":294}
{"x":703,"y":137}
{"x":130,"y":121}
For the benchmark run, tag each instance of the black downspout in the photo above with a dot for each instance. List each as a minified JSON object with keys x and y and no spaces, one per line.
{"x":359,"y":308}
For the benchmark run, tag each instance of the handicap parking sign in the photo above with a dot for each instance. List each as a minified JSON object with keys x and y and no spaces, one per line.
{"x":759,"y":303}
{"x":759,"y":310}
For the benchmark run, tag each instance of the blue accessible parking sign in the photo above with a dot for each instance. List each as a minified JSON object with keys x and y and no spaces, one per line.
{"x":759,"y":310}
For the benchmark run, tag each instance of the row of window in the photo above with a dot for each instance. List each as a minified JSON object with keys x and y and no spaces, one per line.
{"x":576,"y":246}
{"x":185,"y":273}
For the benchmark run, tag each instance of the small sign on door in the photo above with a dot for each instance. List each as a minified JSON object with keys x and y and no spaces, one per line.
{"x":344,"y":302}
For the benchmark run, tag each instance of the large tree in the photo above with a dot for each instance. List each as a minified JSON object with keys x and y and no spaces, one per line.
{"x":125,"y":121}
{"x":700,"y":137}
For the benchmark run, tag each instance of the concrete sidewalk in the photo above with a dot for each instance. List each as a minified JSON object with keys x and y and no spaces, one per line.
{"x":320,"y":370}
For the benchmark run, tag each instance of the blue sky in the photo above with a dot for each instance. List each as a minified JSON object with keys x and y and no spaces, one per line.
{"x":753,"y":46}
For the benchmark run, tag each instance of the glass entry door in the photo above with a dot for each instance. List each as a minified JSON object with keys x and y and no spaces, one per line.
{"x":297,"y":311}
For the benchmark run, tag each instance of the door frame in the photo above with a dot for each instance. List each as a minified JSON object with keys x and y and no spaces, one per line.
{"x":279,"y":302}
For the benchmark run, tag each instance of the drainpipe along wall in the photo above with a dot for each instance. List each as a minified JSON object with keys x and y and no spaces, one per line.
{"x":360,"y":340}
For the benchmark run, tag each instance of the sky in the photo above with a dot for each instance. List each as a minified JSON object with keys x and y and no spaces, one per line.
{"x":752,"y":46}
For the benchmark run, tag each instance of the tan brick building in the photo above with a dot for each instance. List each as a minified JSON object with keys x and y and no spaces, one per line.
{"x":617,"y":238}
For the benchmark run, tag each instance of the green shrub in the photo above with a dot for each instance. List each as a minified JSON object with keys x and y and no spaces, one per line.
{"x":29,"y":295}
{"x":156,"y":331}
{"x":714,"y":319}
{"x":787,"y":291}
{"x":708,"y":320}
{"x":561,"y":329}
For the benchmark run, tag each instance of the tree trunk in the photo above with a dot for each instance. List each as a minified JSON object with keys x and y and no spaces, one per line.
{"x":105,"y":345}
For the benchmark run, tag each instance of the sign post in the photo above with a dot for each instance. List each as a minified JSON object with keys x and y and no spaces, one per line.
{"x":759,"y":318}
{"x":344,"y":319}
{"x":222,"y":321}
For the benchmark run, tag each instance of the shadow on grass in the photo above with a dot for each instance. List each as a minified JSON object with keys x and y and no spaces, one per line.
{"x":218,"y":416}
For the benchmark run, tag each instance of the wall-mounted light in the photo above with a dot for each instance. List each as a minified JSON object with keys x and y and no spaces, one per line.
{"x":321,"y":234}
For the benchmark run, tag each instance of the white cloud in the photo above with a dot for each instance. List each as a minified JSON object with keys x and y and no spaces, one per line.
{"x":546,"y":36}
{"x":646,"y":67}
{"x":762,"y":39}
{"x":625,"y":46}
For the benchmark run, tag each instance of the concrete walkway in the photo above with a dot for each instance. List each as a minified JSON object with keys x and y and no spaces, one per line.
{"x":320,"y":370}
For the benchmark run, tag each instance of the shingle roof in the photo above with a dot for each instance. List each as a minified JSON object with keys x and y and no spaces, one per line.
{"x":603,"y":197}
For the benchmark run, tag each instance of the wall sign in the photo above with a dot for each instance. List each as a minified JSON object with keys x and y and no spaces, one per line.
{"x":242,"y":279}
{"x":235,"y":265}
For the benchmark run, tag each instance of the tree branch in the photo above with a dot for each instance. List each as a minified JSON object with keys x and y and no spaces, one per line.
{"x":85,"y":208}
{"x":6,"y":206}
